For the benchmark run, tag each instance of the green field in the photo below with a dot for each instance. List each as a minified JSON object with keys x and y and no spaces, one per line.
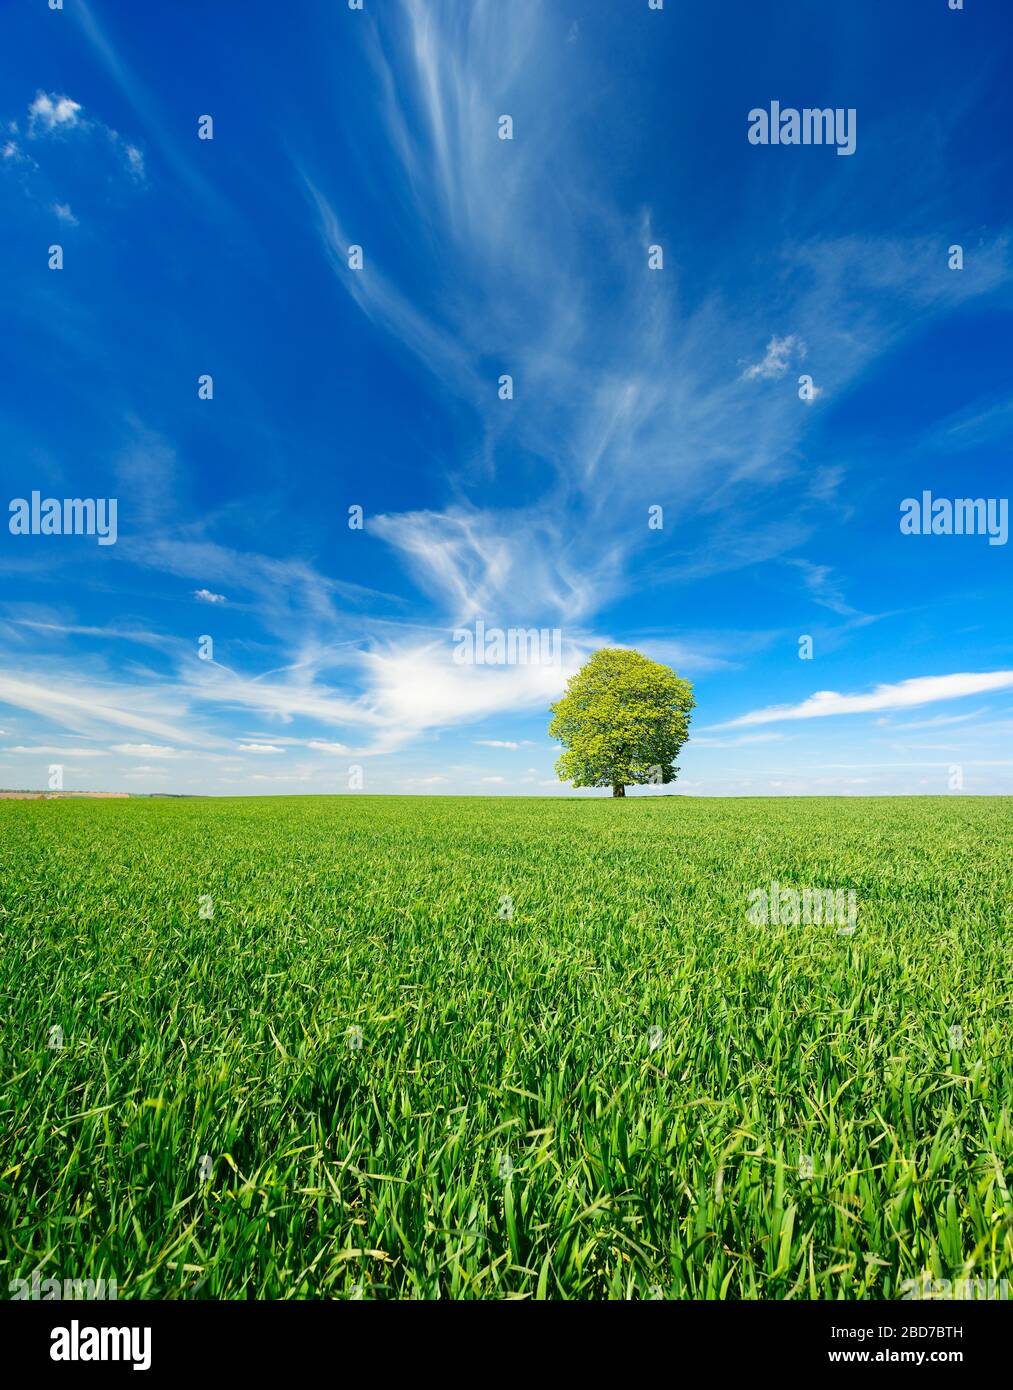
{"x":610,"y":1093}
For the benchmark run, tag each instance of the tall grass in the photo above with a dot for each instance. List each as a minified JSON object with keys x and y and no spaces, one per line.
{"x":583,"y":1072}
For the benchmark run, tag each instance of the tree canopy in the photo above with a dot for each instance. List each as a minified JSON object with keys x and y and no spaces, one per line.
{"x":622,"y":721}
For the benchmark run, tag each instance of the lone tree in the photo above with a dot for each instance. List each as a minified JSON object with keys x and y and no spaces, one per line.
{"x":621,"y":722}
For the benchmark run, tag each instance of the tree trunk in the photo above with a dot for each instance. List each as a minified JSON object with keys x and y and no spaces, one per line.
{"x":618,"y":790}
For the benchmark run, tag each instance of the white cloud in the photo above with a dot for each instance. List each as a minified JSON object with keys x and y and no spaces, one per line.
{"x":147,"y":750}
{"x":260,"y":748}
{"x":48,"y":751}
{"x":937,"y":720}
{"x":297,"y":694}
{"x":50,"y":113}
{"x":777,"y":359}
{"x":672,"y":652}
{"x":53,"y":112}
{"x":420,"y":688}
{"x":516,"y":568}
{"x":602,"y":422}
{"x":80,"y":707}
{"x":825,"y":588}
{"x":921,"y":690}
{"x":736,"y":742}
{"x":290,"y":595}
{"x":321,"y":745}
{"x":596,"y":413}
{"x":11,"y":153}
{"x":64,"y":213}
{"x":497,"y":743}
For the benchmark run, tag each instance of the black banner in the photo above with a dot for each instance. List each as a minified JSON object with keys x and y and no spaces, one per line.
{"x":75,"y":1339}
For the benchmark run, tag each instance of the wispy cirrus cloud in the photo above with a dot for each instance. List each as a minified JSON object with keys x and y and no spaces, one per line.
{"x":937,"y":721}
{"x":48,"y":750}
{"x":777,"y":359}
{"x":511,"y":566}
{"x":607,"y":422}
{"x":920,"y":690}
{"x":483,"y":257}
{"x":86,"y":707}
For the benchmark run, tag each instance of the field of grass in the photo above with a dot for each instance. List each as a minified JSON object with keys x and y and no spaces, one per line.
{"x":583,"y":1072}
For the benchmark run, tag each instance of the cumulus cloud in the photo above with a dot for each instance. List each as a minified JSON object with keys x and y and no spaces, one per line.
{"x":51,"y":112}
{"x":206,"y":596}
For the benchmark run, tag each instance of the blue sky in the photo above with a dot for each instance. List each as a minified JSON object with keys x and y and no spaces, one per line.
{"x":633,"y":388}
